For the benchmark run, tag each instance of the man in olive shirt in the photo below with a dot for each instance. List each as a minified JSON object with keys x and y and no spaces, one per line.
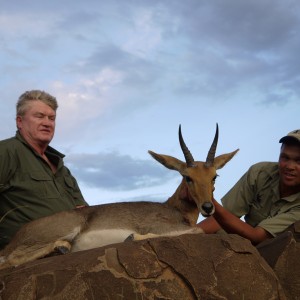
{"x":33,"y":179}
{"x":267,"y":195}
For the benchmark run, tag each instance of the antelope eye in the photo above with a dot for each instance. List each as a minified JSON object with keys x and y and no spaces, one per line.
{"x":188,"y":179}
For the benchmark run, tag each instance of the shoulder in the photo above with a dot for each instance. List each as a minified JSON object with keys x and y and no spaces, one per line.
{"x":269,"y":168}
{"x":262,"y":172}
{"x":9,"y":143}
{"x":13,"y":147}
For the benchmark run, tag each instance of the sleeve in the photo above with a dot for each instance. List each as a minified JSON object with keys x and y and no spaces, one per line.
{"x":73,"y":188}
{"x":280,"y":222}
{"x":239,"y":198}
{"x":8,"y":166}
{"x":78,"y":197}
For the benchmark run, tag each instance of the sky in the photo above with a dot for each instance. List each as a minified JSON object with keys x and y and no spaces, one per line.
{"x":126,"y":74}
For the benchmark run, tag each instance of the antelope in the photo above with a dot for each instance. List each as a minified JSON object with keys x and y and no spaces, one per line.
{"x":100,"y":225}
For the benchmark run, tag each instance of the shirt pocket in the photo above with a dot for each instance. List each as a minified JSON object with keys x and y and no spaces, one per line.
{"x":43,"y":185}
{"x":259,"y":209}
{"x":69,"y":182}
{"x":70,"y":186}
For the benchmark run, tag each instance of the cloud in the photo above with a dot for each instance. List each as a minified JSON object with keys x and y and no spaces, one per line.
{"x":240,"y":25}
{"x":126,"y":73}
{"x":191,"y":49}
{"x":114,"y":171}
{"x":229,"y":46}
{"x":136,"y":71}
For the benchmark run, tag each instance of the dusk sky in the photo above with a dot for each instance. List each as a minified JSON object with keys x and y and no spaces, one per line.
{"x":127,"y":73}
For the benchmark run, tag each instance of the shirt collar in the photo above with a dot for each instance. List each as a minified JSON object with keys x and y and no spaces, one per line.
{"x":49,"y":148}
{"x":292,"y":198}
{"x":275,"y":187}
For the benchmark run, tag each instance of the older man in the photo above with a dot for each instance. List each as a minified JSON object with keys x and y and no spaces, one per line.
{"x":267,"y":195}
{"x":33,"y":179}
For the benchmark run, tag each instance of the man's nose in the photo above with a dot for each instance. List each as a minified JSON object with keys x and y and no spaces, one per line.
{"x":47,"y":121}
{"x":291,"y":164}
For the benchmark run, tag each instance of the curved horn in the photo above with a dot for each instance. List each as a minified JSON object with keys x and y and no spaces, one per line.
{"x":212,"y":151}
{"x":187,"y":154}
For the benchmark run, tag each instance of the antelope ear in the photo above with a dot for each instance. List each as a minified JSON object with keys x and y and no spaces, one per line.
{"x":221,"y":160}
{"x":169,"y":161}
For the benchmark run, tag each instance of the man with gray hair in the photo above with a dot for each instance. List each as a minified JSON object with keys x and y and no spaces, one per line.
{"x":34,"y":182}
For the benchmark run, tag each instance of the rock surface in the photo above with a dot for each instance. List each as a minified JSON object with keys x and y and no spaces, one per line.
{"x":282,"y":254}
{"x":185,"y":267}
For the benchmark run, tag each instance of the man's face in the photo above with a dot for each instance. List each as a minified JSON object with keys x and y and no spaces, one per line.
{"x":289,"y":165}
{"x":37,"y":126}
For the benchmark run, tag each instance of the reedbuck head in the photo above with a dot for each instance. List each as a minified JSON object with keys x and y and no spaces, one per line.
{"x":199,"y":176}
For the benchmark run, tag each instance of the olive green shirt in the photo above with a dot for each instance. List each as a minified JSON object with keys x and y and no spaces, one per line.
{"x":28,"y":187}
{"x":256,"y":197}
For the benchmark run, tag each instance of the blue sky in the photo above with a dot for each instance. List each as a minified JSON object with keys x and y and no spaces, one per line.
{"x":127,"y":73}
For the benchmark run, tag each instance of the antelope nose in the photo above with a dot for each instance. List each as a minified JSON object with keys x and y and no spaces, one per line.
{"x":207,"y":207}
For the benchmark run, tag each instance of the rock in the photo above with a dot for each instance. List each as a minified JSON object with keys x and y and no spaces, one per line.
{"x":282,"y":254}
{"x":185,"y":267}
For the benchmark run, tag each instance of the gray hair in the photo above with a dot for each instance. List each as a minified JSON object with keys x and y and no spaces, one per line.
{"x":35,"y":95}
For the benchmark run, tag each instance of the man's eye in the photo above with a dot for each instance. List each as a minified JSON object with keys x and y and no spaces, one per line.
{"x":283,"y":158}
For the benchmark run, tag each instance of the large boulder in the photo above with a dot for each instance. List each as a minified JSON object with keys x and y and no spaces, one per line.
{"x":185,"y":267}
{"x":282,"y":254}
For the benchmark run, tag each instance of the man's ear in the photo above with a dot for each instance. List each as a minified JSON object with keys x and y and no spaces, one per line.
{"x":19,"y":122}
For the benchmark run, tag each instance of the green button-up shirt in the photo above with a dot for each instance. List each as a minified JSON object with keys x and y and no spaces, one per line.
{"x":256,"y":197}
{"x":28,"y":187}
